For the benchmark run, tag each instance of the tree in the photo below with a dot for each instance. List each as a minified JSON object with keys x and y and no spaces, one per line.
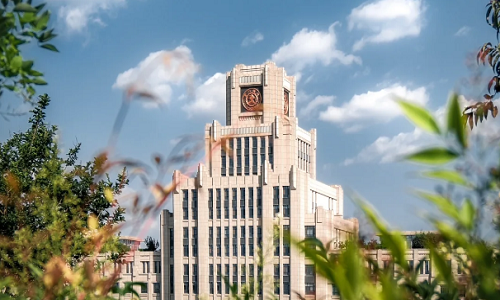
{"x":151,"y":244}
{"x":22,"y":23}
{"x":52,"y":209}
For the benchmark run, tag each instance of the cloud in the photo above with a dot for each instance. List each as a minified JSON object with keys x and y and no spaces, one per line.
{"x":159,"y":71}
{"x":252,"y":39}
{"x":314,"y":104}
{"x":389,"y":149}
{"x":210,"y":99}
{"x":310,"y":47}
{"x":372,"y":107}
{"x":77,"y":15}
{"x":463,"y":31}
{"x":387,"y":20}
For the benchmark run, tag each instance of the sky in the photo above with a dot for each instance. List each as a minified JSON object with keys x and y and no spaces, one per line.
{"x":350,"y":59}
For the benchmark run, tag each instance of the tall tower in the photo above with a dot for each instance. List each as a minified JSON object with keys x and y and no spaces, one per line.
{"x":259,"y":182}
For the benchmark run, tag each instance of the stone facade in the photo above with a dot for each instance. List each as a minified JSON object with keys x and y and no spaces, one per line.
{"x":259,"y":181}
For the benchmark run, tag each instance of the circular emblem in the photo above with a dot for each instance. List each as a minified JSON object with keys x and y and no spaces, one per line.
{"x":251,"y":99}
{"x":287,"y":101}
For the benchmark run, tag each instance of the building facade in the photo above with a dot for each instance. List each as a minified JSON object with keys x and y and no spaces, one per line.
{"x":257,"y":184}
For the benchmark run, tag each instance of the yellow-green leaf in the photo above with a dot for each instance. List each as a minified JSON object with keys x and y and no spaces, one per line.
{"x":419,"y":116}
{"x":445,"y":205}
{"x":16,"y":62}
{"x":433,"y":156}
{"x":447,"y":175}
{"x":454,"y":121}
{"x":109,"y":195}
{"x":466,"y":214}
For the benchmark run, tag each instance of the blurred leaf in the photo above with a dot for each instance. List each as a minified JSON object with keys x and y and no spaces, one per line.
{"x":39,"y":81}
{"x":455,"y":121}
{"x":444,"y":204}
{"x":24,"y":7}
{"x":466,"y":214}
{"x":50,"y":47}
{"x":447,"y":175}
{"x":433,"y":156}
{"x":419,"y":116}
{"x":26,"y":65}
{"x":16,"y":62}
{"x":108,"y":193}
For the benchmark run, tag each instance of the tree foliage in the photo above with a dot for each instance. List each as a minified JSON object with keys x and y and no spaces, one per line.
{"x":53,"y":212}
{"x":22,"y":23}
{"x":151,"y":244}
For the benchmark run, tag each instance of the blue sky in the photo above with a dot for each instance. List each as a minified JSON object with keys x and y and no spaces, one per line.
{"x":349,"y":56}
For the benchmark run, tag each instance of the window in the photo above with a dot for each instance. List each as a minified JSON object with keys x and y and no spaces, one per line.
{"x":226,"y":241}
{"x":130,"y":267}
{"x":262,"y":150}
{"x":425,"y":269}
{"x":242,"y":203}
{"x":242,"y":242}
{"x":211,"y":278}
{"x":410,"y":264}
{"x":185,"y":214}
{"x":271,"y":151}
{"x":171,"y":230}
{"x":276,"y":200}
{"x":171,"y":279}
{"x":223,"y":158}
{"x":247,"y":156}
{"x":259,"y":274}
{"x":459,"y":268}
{"x":259,"y":236}
{"x":195,"y":279}
{"x":259,"y":202}
{"x":235,"y":241}
{"x":286,"y":201}
{"x":286,"y":279}
{"x":335,"y":290}
{"x":238,"y":156}
{"x":194,"y":242}
{"x":210,"y":241}
{"x":310,"y":280}
{"x":254,"y":155}
{"x":286,"y":242}
{"x":219,"y":285}
{"x":235,"y":274}
{"x":276,"y":279}
{"x":276,"y":241}
{"x":226,"y":203}
{"x":250,"y":241}
{"x":217,"y":191}
{"x":231,"y":160}
{"x":157,"y":266}
{"x":235,"y":203}
{"x":194,"y":204}
{"x":250,"y":203}
{"x":210,"y":204}
{"x":243,"y":275}
{"x":311,"y":234}
{"x":156,"y":287}
{"x":226,"y":273}
{"x":144,"y":288}
{"x":251,"y":277}
{"x":186,"y":279}
{"x":218,"y":241}
{"x":185,"y":241}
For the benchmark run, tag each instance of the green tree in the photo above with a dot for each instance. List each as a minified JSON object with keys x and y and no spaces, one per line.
{"x":21,"y":23}
{"x":52,"y":207}
{"x":151,"y":244}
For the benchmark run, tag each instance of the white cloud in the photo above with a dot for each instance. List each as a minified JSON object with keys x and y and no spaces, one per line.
{"x":78,"y":14}
{"x":314,"y":104}
{"x":387,"y":20}
{"x":372,"y":107}
{"x":252,"y":39}
{"x":310,"y":47}
{"x":210,"y":100}
{"x":463,"y":31}
{"x":159,"y":71}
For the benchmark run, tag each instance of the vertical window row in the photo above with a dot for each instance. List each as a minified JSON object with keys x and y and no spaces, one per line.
{"x":226,"y":204}
{"x":250,"y":203}
{"x":218,"y":196}
{"x":171,"y":233}
{"x":254,"y":156}
{"x":185,"y":241}
{"x":250,"y":241}
{"x":242,"y":241}
{"x":262,"y":150}
{"x":231,"y":160}
{"x":185,"y":213}
{"x":226,"y":273}
{"x":194,"y":204}
{"x":303,"y":155}
{"x":194,"y":242}
{"x":219,"y":277}
{"x":235,"y":274}
{"x":211,"y":278}
{"x":243,"y":275}
{"x":238,"y":156}
{"x":286,"y":201}
{"x":223,"y":162}
{"x":235,"y":241}
{"x":259,"y":202}
{"x":247,"y":155}
{"x":251,"y":277}
{"x":218,"y":241}
{"x":276,"y":279}
{"x":276,"y":200}
{"x":242,"y":203}
{"x":286,"y":279}
{"x":226,"y":241}
{"x":195,"y":279}
{"x":276,"y":240}
{"x":271,"y":151}
{"x":286,"y":241}
{"x":310,"y":280}
{"x":171,"y":279}
{"x":210,"y":204}
{"x":186,"y":279}
{"x":235,"y":203}
{"x":210,"y":241}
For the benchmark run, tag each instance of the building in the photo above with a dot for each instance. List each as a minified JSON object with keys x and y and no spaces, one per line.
{"x":258,"y":182}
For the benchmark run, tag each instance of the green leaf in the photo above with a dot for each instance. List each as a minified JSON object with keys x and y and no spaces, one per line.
{"x":26,"y":65}
{"x":444,"y":204}
{"x":9,"y":87}
{"x":16,"y":62}
{"x":24,"y":7}
{"x":50,"y":47}
{"x":419,"y":116}
{"x":41,"y":22}
{"x":454,"y":121}
{"x":444,"y":270}
{"x":433,"y":156}
{"x":39,"y":81}
{"x":447,"y":175}
{"x":466,"y":214}
{"x":35,"y":73}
